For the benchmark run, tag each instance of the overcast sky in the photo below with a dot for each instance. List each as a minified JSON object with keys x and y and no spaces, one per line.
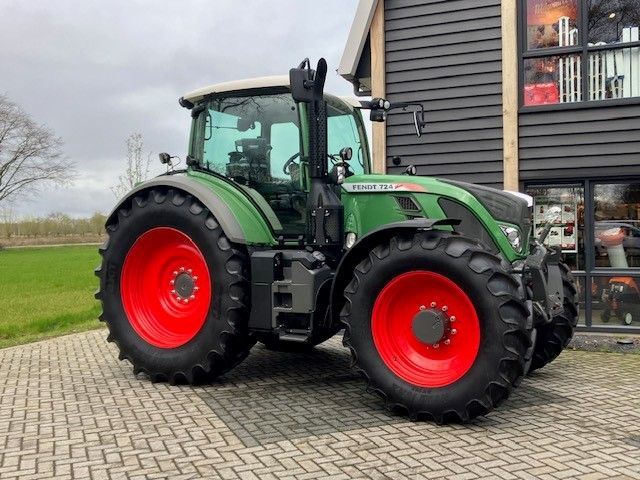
{"x":97,"y":71}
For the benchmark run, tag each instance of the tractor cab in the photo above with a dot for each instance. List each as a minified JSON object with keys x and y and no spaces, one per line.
{"x":254,"y":133}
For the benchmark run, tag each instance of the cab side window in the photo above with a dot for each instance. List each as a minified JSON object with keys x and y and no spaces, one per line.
{"x":343,"y":132}
{"x":285,"y":145}
{"x":221,"y":137}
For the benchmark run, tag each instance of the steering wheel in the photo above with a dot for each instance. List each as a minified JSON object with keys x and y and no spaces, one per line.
{"x":287,"y":164}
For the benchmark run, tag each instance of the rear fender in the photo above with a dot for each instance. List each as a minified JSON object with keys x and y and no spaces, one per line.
{"x":365,"y":244}
{"x":213,"y":201}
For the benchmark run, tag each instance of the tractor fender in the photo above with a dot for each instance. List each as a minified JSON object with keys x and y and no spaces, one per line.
{"x":364,"y":245}
{"x":208,"y":197}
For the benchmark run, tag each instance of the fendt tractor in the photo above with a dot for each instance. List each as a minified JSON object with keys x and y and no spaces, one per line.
{"x":277,"y":231}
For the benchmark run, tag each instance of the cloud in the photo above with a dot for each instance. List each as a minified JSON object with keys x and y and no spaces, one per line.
{"x":97,"y":71}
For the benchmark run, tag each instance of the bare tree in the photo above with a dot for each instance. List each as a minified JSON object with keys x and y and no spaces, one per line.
{"x":30,"y":154}
{"x":137,"y":166}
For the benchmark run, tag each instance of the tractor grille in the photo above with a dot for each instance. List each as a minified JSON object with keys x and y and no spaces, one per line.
{"x":408,"y":204}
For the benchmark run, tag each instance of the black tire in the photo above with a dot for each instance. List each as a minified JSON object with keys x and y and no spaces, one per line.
{"x":554,"y":336}
{"x":222,"y":342}
{"x":605,"y":316}
{"x":505,"y":327}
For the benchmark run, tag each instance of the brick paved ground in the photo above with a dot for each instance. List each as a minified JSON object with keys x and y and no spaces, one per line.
{"x":68,"y":408}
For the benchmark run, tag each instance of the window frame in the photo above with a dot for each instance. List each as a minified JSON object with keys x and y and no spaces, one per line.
{"x":582,"y":49}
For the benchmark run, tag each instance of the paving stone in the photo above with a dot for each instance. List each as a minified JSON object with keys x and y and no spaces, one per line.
{"x":70,"y":409}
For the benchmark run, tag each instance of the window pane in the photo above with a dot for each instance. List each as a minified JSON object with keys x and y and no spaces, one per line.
{"x":615,"y":301}
{"x":614,"y":74}
{"x":221,"y":137}
{"x":285,"y":143}
{"x":552,"y":23}
{"x":554,"y":79}
{"x":342,"y":133}
{"x":617,"y":225}
{"x":568,"y":231}
{"x":613,"y":21}
{"x":580,"y":284}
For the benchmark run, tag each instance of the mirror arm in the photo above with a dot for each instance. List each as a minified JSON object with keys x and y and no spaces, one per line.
{"x":378,"y":114}
{"x":405,"y":105}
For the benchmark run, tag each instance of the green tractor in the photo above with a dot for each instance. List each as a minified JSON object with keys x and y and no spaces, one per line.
{"x":278,"y":232}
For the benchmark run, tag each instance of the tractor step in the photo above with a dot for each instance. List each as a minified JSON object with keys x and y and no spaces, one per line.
{"x":302,"y":337}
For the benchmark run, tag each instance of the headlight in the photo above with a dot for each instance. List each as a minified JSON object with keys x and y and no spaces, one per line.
{"x":513,"y":235}
{"x":350,"y":240}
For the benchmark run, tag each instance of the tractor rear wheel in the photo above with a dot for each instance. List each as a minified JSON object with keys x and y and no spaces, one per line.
{"x":437,"y":326}
{"x":173,"y":289}
{"x":553,"y":337}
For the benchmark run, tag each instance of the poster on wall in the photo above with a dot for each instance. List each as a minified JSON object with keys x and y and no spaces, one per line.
{"x":543,"y":21}
{"x":564,"y":233}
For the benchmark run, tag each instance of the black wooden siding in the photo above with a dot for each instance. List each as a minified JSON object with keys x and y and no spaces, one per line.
{"x":446,"y":54}
{"x":589,"y":142}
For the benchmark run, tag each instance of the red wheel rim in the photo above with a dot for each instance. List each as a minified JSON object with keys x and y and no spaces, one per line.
{"x":425,"y":364}
{"x":165,"y":287}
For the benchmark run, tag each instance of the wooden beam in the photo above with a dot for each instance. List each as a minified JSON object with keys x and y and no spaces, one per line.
{"x":378,"y":87}
{"x":510,"y":94}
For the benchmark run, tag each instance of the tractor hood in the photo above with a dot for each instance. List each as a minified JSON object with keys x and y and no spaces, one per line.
{"x":492,"y":207}
{"x":503,"y":206}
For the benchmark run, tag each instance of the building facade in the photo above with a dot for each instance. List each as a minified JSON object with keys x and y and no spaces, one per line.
{"x":541,"y":96}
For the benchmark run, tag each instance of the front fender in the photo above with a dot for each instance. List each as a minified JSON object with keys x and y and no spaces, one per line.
{"x":220,"y":202}
{"x":365,"y":244}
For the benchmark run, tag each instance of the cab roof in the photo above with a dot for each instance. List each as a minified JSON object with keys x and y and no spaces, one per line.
{"x":238,"y":85}
{"x":274,"y":81}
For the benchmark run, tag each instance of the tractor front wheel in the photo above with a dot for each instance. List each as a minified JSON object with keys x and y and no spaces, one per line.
{"x":437,"y":326}
{"x":173,"y":289}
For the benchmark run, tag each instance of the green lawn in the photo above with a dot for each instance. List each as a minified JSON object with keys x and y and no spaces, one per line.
{"x":45,"y":292}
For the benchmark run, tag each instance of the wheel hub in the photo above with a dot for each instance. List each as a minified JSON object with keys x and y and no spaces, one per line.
{"x":184,"y":284}
{"x":431,"y":326}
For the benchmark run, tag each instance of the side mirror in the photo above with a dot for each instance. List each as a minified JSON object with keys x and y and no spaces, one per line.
{"x":346,"y":154}
{"x":165,"y":158}
{"x":307,"y":85}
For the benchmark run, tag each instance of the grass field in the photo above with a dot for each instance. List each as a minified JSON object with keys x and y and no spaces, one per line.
{"x":45,"y":292}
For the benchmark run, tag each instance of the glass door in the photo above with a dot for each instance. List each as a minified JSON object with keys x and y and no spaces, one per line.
{"x":599,"y":236}
{"x":616,"y":253}
{"x":568,"y":232}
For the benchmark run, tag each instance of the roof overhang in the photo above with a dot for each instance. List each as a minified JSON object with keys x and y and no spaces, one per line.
{"x":356,"y":43}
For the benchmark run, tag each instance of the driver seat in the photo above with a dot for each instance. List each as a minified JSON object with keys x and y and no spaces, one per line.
{"x":257,"y":152}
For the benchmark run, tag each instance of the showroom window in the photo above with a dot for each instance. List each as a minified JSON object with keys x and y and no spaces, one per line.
{"x":599,"y":236}
{"x":580,"y":51}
